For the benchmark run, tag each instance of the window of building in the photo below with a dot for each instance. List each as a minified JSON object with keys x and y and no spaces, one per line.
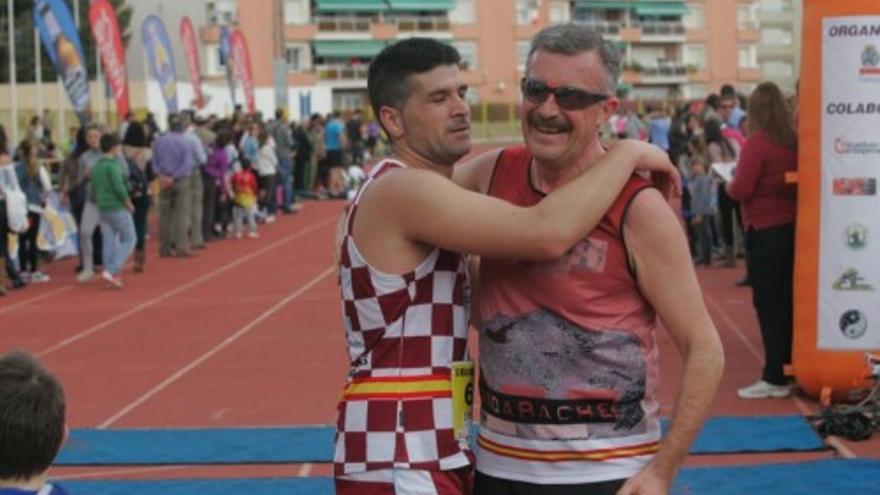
{"x":776,"y":36}
{"x":463,"y":12}
{"x":695,"y":54}
{"x":468,"y":52}
{"x":696,"y":91}
{"x":559,"y":12}
{"x":748,"y":56}
{"x":695,"y":17}
{"x":522,"y":54}
{"x":296,"y":12}
{"x":777,"y":69}
{"x":221,"y":12}
{"x":745,"y":16}
{"x":297,"y":56}
{"x":526,"y":12}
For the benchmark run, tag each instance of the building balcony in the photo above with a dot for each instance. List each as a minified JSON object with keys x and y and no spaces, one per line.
{"x":662,"y":31}
{"x":420,"y":24}
{"x":766,"y":51}
{"x":343,"y":24}
{"x":751,"y":35}
{"x":752,"y":74}
{"x":776,"y":17}
{"x":342,"y":73}
{"x":608,"y":29}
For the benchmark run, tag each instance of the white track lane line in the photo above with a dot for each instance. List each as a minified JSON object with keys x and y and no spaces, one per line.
{"x":805,"y":408}
{"x":35,"y":299}
{"x":152,"y":302}
{"x":101,"y":474}
{"x":219,"y":347}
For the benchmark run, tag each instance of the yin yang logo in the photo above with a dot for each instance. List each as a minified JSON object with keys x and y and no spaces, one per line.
{"x":853,"y":324}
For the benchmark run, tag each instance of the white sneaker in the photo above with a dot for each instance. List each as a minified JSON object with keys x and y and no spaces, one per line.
{"x":84,"y":276}
{"x":253,"y":235}
{"x":238,"y":235}
{"x":763,"y":390}
{"x":39,"y":277}
{"x":270,"y":219}
{"x":107,"y":276}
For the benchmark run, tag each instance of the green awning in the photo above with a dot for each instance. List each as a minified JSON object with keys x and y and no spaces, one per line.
{"x":412,"y":5}
{"x":661,"y":8}
{"x":348,"y":49}
{"x":607,"y":5}
{"x":351,"y":6}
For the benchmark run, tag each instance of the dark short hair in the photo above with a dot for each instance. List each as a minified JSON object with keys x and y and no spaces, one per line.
{"x":727,"y":90}
{"x":135,"y":135}
{"x":175,"y":122}
{"x":32,"y":410}
{"x":109,"y":141}
{"x":573,"y":39}
{"x":388,"y":78}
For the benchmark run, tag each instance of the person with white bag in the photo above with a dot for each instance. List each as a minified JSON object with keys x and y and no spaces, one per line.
{"x":34,"y":181}
{"x":13,"y":215}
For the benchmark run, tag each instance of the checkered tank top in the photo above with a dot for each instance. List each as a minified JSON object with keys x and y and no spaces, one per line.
{"x":404,"y":331}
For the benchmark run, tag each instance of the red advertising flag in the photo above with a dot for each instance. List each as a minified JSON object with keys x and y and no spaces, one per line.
{"x":105,"y":31}
{"x":188,"y":37}
{"x":243,"y":68}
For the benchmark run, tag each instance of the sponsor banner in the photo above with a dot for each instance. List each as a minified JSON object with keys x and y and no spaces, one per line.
{"x":61,"y":42}
{"x":105,"y":31}
{"x":849,"y":246}
{"x":226,"y":59}
{"x":190,"y":49}
{"x":242,"y":61}
{"x":161,"y":59}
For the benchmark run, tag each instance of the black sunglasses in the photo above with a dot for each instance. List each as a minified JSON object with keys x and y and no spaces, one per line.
{"x":568,"y":98}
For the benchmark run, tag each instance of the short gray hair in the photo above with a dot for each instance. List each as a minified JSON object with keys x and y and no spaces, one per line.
{"x":572,"y":39}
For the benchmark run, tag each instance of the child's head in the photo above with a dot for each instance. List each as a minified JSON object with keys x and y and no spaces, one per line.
{"x":110,"y":144}
{"x":32,"y":410}
{"x":245,"y":163}
{"x":698,"y":166}
{"x":263,"y":137}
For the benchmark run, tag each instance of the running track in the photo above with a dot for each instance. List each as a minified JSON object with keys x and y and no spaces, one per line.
{"x":248,"y":334}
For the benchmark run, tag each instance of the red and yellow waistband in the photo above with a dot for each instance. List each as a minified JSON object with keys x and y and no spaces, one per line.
{"x":567,"y":455}
{"x":438,"y":385}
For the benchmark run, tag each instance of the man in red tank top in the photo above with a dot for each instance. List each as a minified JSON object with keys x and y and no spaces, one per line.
{"x":568,"y":355}
{"x":402,"y":417}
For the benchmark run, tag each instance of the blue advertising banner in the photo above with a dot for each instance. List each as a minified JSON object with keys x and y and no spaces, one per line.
{"x":61,"y":41}
{"x":161,"y":59}
{"x":226,"y":59}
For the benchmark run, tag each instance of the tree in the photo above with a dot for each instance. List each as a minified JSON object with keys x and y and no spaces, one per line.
{"x":25,"y":55}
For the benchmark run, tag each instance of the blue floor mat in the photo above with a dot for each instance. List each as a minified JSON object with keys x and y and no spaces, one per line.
{"x":843,"y":476}
{"x":315,"y":443}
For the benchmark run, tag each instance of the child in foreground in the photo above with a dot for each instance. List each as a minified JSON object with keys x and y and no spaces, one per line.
{"x":32,"y":425}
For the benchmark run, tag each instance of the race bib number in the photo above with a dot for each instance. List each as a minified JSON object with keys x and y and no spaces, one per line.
{"x":462,"y":398}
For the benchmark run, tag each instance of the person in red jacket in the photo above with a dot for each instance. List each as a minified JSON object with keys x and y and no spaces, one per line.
{"x":244,"y":192}
{"x":769,"y":207}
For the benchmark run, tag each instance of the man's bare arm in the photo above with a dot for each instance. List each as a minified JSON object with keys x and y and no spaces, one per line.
{"x":667,"y":279}
{"x":476,"y":174}
{"x":430,"y":209}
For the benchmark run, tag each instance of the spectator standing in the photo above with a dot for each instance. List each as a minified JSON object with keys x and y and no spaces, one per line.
{"x":196,"y":188}
{"x":285,"y":150}
{"x":658,"y":128}
{"x":702,"y":210}
{"x":7,"y":268}
{"x":244,"y":193}
{"x":724,"y":150}
{"x":334,"y":141}
{"x":354,"y":132}
{"x":34,"y":182}
{"x":735,"y":117}
{"x":302,"y":160}
{"x":318,"y":163}
{"x":115,"y":207}
{"x":140,"y":176}
{"x":267,"y":170}
{"x":215,"y":174}
{"x":84,"y":208}
{"x":769,"y":209}
{"x":173,"y":159}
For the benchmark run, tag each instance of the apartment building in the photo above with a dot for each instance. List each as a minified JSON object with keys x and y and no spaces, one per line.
{"x":778,"y":53}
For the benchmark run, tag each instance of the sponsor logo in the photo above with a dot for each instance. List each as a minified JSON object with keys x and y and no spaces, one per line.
{"x":843,"y":146}
{"x":850,"y":280}
{"x":853,"y":30}
{"x":870,"y":70}
{"x":854,"y":186}
{"x":856,"y":236}
{"x":853,"y":324}
{"x":852,"y":108}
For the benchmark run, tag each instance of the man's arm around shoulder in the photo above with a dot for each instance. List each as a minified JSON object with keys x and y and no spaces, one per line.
{"x":666,"y":278}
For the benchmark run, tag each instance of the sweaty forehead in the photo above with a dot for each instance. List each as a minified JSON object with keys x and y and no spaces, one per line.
{"x":581,"y":70}
{"x":440,"y":78}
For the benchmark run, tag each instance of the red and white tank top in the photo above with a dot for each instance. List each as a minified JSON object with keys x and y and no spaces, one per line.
{"x":568,"y":360}
{"x":404,"y":332}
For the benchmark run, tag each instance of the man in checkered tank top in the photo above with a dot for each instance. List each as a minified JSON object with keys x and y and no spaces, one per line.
{"x":404,"y":418}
